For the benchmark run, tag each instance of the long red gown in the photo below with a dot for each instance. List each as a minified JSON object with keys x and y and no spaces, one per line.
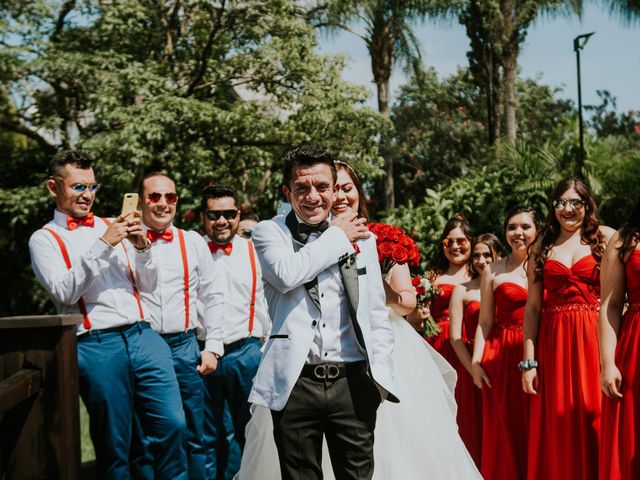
{"x":620,"y":435}
{"x":505,"y":407}
{"x":470,"y":402}
{"x":565,"y":414}
{"x":440,"y":313}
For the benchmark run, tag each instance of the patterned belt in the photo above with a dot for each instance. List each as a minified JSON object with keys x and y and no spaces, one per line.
{"x":633,"y":307}
{"x":509,"y":326}
{"x":572,"y":307}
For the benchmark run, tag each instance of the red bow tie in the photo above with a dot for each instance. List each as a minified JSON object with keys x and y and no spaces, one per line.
{"x":226,"y":248}
{"x":73,"y":223}
{"x":167,"y":235}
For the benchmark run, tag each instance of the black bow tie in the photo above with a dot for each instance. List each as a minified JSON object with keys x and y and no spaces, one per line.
{"x":305,"y":230}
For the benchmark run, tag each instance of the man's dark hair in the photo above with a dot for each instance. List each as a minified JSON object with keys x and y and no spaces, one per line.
{"x":77,"y":158}
{"x":217,"y":191}
{"x":248,"y":214}
{"x":147,"y":176}
{"x":305,"y":156}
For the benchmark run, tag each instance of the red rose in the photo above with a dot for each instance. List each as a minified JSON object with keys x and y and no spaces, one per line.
{"x":385,"y":248}
{"x":415,"y":281}
{"x":421,"y":290}
{"x":399,"y":254}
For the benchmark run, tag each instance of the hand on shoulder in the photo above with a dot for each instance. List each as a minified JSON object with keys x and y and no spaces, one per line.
{"x":353,"y":227}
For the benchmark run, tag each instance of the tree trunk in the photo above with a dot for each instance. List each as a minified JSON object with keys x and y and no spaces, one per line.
{"x":383,"y":108}
{"x":509,"y":71}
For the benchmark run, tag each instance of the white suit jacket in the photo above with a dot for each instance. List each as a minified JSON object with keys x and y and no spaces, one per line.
{"x":293,"y":311}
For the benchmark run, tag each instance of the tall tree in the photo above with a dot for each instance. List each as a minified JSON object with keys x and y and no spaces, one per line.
{"x":390,"y":39}
{"x":207,"y":91}
{"x":496,"y":30}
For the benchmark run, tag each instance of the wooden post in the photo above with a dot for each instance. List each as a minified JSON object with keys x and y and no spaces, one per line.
{"x":39,"y":406}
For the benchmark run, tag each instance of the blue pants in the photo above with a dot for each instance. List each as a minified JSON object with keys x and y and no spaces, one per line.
{"x":127,"y":369}
{"x":227,"y":408}
{"x":186,"y":357}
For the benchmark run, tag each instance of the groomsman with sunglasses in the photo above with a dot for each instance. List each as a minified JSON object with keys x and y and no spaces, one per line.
{"x":100,"y":268}
{"x":245,"y":323}
{"x":187,"y":281}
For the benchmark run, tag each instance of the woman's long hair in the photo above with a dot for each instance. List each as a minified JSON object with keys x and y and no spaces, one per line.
{"x":589,"y":230}
{"x":362,"y":198}
{"x":441,"y":264}
{"x":630,"y":232}
{"x":495,"y":247}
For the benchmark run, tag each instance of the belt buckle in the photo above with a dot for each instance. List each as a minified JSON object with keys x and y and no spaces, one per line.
{"x":326,"y":371}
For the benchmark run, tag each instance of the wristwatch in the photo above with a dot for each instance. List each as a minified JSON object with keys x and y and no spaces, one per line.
{"x":526,"y":365}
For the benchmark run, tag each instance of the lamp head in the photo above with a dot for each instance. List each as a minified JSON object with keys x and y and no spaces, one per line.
{"x":581,"y":40}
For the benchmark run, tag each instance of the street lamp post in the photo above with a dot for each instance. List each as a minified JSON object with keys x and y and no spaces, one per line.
{"x":578,"y":44}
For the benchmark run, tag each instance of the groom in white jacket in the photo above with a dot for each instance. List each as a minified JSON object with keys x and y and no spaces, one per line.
{"x":327,"y":364}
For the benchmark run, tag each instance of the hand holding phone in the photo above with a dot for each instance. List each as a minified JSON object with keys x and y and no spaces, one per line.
{"x":129,"y":205}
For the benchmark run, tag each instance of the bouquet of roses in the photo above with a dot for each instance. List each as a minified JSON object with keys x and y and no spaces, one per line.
{"x":426,"y":291}
{"x":394,"y":246}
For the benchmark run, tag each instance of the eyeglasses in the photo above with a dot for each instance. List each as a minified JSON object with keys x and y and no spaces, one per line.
{"x":486,"y":255}
{"x":246,"y":233}
{"x":214,"y":215}
{"x":170,"y":197}
{"x":450,"y":242}
{"x":81,"y":187}
{"x":560,"y":203}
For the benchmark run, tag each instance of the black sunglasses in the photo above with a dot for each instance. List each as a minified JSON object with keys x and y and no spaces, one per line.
{"x":214,"y":215}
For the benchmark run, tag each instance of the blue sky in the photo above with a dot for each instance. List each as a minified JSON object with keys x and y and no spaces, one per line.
{"x":610,"y":61}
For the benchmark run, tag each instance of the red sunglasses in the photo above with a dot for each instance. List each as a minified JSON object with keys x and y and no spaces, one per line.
{"x":170,"y":197}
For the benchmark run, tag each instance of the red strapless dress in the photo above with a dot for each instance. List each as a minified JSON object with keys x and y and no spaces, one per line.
{"x":470,"y":403}
{"x":620,"y":434}
{"x":565,"y":414}
{"x":440,"y":313}
{"x":505,"y":407}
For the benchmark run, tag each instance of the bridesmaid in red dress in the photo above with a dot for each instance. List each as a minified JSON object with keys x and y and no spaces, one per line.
{"x":451,"y":270}
{"x":464,"y":310}
{"x":561,"y":367}
{"x":619,"y":354}
{"x":497,"y":349}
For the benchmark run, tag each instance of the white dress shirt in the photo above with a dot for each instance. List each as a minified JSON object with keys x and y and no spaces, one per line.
{"x":238,"y":284}
{"x":167,"y":302}
{"x":99,"y":273}
{"x":335,"y":338}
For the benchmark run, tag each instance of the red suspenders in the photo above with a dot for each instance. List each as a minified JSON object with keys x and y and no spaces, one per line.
{"x":185,"y":266}
{"x":83,"y":308}
{"x":252,"y":307}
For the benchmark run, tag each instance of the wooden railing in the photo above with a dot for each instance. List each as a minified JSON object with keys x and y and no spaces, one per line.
{"x":39,"y":420}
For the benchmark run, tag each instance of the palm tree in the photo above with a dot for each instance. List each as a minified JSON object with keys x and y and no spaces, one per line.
{"x":496,"y":30}
{"x":390,"y":40}
{"x":628,"y":10}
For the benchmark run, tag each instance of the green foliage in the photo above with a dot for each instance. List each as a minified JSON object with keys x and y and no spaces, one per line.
{"x":483,"y":196}
{"x":206,"y":91}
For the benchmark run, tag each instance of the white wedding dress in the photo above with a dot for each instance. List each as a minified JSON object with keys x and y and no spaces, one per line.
{"x":414,"y":439}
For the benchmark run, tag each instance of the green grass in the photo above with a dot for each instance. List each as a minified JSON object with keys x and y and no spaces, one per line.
{"x":86,"y":446}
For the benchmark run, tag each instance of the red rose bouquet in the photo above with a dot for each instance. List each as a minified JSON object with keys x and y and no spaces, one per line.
{"x":426,"y":291}
{"x":394,"y":246}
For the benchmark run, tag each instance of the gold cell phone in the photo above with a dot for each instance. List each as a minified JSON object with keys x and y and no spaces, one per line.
{"x":129,"y":204}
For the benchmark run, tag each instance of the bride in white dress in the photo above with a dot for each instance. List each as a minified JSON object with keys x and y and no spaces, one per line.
{"x":414,"y":439}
